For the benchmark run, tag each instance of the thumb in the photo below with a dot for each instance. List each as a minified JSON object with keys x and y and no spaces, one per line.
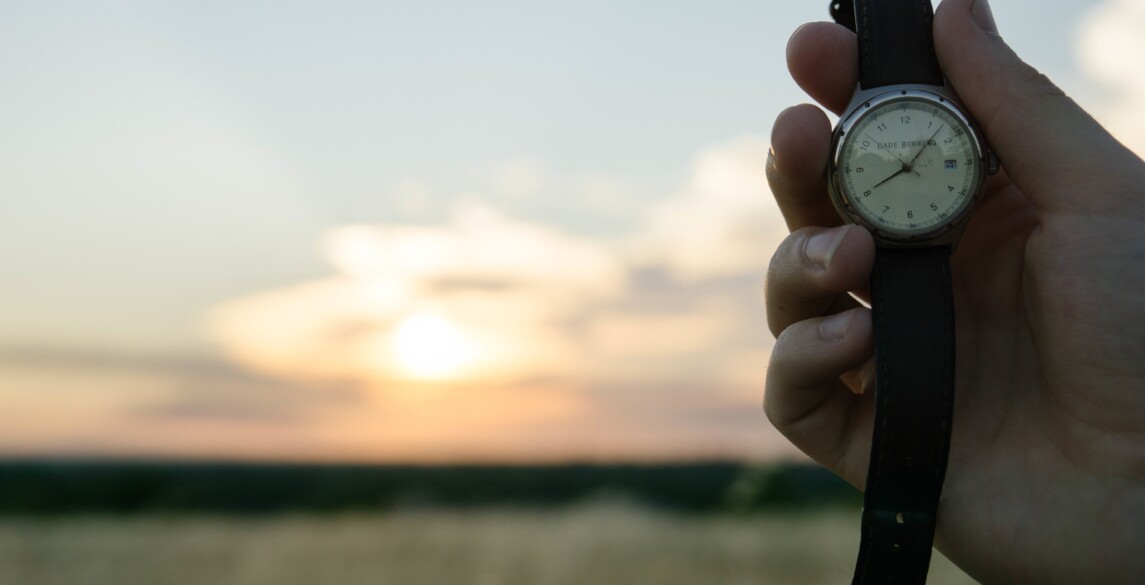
{"x":1051,"y":148}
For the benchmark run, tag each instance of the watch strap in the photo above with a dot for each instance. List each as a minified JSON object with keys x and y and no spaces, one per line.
{"x":913,"y":319}
{"x":896,"y":44}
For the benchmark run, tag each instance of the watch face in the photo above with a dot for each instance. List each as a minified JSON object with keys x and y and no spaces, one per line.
{"x":908,"y":165}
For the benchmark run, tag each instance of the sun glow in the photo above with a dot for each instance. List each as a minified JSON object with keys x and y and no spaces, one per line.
{"x":429,"y":346}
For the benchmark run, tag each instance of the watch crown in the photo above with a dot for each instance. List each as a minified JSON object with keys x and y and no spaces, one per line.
{"x":992,"y":164}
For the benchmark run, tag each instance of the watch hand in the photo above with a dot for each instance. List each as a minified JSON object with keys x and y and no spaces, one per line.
{"x":906,"y":165}
{"x":927,"y":143}
{"x":905,"y":168}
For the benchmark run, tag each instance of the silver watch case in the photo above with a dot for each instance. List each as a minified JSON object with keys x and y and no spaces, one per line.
{"x":863,"y":101}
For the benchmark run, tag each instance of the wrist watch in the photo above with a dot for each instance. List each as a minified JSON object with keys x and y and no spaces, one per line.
{"x":908,"y":164}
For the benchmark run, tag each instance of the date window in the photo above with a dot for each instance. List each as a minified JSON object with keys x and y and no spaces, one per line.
{"x":951,"y":164}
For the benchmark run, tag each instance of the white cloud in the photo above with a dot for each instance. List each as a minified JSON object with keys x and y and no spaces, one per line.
{"x":528,"y":301}
{"x":482,"y":245}
{"x":519,"y":177}
{"x":1111,"y":46}
{"x":412,"y":197}
{"x":723,"y":223}
{"x":507,"y":286}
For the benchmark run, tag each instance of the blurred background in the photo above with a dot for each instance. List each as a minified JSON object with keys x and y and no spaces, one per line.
{"x":342,"y":285}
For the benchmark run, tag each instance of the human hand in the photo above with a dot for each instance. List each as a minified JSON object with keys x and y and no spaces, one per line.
{"x":1046,"y":479}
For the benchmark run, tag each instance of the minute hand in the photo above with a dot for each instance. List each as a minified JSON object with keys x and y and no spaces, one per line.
{"x":926,"y":144}
{"x":897,"y":173}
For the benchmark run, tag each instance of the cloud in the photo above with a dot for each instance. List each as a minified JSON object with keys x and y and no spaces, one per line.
{"x":517,"y":289}
{"x":411,"y":197}
{"x":519,"y":177}
{"x":1111,"y":44}
{"x":482,"y":245}
{"x":75,"y":402}
{"x":628,"y":335}
{"x":723,"y":222}
{"x":486,"y":336}
{"x":530,"y":319}
{"x":505,"y":285}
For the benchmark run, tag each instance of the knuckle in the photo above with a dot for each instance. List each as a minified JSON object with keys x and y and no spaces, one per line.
{"x":790,"y":345}
{"x":780,"y":263}
{"x":785,"y":284}
{"x":1039,"y":83}
{"x":773,"y":410}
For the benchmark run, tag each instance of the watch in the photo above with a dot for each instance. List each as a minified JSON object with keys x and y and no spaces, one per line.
{"x":909,"y":165}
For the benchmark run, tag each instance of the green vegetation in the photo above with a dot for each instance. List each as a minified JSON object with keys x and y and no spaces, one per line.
{"x":177,"y":524}
{"x":38,"y":487}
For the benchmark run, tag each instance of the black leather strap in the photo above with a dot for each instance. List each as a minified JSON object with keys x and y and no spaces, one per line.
{"x":914,"y":331}
{"x":895,"y":40}
{"x":843,"y":12}
{"x":914,"y":351}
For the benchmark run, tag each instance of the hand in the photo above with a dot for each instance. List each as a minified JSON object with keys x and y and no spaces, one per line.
{"x":1046,"y":481}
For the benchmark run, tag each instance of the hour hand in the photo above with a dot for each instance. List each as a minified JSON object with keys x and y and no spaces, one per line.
{"x":906,"y":166}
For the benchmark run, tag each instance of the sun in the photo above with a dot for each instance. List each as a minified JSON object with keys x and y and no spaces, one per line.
{"x":429,"y":346}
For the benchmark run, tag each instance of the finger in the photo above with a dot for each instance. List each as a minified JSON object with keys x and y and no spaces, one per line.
{"x":823,"y":59}
{"x":1051,"y":148}
{"x":813,"y":269}
{"x":805,"y":398}
{"x":796,"y":169}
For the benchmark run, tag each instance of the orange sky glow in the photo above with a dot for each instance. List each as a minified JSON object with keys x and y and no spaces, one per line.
{"x":418,"y":239}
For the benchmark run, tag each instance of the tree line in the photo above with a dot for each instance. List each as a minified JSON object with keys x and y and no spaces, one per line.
{"x":124,"y":487}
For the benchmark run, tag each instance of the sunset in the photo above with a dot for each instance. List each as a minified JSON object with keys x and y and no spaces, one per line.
{"x":379,"y":233}
{"x":320,"y":251}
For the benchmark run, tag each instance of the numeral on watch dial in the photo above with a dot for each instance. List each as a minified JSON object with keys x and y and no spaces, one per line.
{"x":907,"y":165}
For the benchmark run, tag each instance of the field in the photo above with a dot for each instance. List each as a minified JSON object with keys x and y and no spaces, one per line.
{"x":603,"y":542}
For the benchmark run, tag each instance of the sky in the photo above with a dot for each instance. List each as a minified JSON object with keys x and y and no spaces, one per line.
{"x":417,"y":232}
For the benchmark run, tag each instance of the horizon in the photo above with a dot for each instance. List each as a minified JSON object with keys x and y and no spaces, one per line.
{"x":399,"y":234}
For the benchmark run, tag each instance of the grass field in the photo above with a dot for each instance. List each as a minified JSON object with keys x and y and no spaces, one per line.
{"x":600,"y":543}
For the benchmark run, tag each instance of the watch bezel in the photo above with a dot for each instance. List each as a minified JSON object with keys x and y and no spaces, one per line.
{"x":865,"y":101}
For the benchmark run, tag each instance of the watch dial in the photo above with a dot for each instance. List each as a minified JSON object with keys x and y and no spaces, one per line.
{"x":908,"y":165}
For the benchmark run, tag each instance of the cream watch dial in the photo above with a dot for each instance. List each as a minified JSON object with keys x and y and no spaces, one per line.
{"x":908,"y":165}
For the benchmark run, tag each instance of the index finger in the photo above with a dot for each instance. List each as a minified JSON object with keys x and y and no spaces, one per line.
{"x":797,"y":167}
{"x":823,"y":59}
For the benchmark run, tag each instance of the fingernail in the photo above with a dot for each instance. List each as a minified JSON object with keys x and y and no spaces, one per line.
{"x":834,"y":328}
{"x":983,"y":16}
{"x":820,"y":248}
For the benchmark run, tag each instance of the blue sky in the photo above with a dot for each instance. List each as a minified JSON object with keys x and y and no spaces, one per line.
{"x":196,"y":193}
